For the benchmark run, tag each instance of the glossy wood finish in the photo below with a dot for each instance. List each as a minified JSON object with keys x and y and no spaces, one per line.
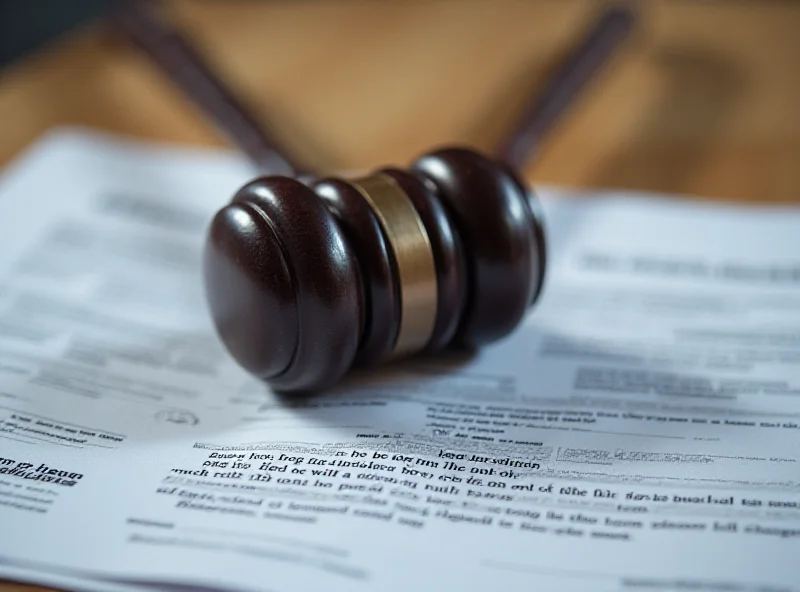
{"x":317,"y":278}
{"x":378,"y":270}
{"x":303,"y":280}
{"x":254,"y":306}
{"x":705,"y":103}
{"x":492,"y":218}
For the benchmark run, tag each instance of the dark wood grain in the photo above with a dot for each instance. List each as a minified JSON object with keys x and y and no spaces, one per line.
{"x":250,"y":290}
{"x":303,"y":283}
{"x":378,"y":270}
{"x":492,"y":217}
{"x":323,"y":278}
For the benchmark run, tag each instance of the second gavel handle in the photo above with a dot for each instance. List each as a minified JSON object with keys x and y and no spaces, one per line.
{"x":175,"y":55}
{"x":524,"y":140}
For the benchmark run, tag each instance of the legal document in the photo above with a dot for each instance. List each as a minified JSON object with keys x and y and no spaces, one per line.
{"x":640,"y":431}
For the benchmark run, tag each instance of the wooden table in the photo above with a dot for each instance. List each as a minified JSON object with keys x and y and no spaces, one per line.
{"x":705,"y":100}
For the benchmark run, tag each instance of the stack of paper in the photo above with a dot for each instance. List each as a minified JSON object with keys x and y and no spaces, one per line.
{"x":641,"y":431}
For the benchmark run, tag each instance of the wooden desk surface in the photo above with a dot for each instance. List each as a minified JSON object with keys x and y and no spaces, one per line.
{"x":704,"y":101}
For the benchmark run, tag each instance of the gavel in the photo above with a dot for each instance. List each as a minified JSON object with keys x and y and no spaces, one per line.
{"x":306,"y":280}
{"x":308,"y":276}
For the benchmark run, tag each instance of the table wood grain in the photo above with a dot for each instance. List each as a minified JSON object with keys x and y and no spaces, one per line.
{"x":703,"y":101}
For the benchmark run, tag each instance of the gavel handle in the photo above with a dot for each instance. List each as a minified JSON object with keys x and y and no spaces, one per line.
{"x":524,"y":140}
{"x":184,"y":65}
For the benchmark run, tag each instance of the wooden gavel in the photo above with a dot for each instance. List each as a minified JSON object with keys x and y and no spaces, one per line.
{"x":308,"y":277}
{"x":306,"y":280}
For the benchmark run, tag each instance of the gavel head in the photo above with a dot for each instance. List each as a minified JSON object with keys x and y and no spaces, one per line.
{"x":307,"y":280}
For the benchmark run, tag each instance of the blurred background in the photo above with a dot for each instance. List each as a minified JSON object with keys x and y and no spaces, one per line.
{"x":703,"y":99}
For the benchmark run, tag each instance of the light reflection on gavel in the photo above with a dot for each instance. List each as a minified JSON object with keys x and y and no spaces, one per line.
{"x":308,"y":277}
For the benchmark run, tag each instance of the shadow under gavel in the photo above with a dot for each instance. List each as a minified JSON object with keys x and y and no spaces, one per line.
{"x":308,"y":277}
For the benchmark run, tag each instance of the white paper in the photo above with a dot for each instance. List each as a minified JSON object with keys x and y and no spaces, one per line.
{"x":641,"y":430}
